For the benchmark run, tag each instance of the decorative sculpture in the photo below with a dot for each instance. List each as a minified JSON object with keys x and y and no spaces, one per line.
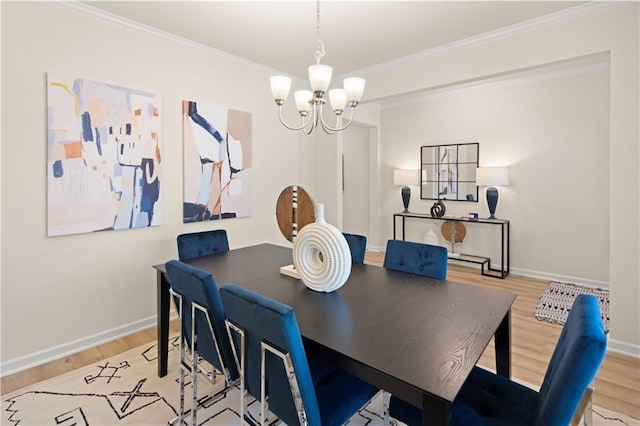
{"x":321,"y":255}
{"x":294,"y":210}
{"x":453,"y":232}
{"x":438,"y":209}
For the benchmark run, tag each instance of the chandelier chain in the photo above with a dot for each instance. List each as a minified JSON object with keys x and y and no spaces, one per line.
{"x":320,"y":52}
{"x":310,"y":103}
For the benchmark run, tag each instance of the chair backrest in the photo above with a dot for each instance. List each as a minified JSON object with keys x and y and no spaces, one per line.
{"x":203,"y":243}
{"x":575,"y":361}
{"x":416,"y":258}
{"x":196,"y":285}
{"x":266,"y":320}
{"x":357,"y":245}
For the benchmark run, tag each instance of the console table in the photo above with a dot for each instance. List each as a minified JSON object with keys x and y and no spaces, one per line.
{"x":484,"y":262}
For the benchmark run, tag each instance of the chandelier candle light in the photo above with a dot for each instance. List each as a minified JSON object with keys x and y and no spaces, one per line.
{"x":310,"y":102}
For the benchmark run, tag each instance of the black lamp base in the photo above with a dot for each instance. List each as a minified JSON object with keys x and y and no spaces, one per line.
{"x":406,"y":195}
{"x":492,"y":201}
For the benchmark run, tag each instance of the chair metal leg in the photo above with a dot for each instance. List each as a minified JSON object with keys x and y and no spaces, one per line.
{"x":194,"y":369}
{"x":585,"y":408}
{"x":183,"y":366}
{"x":293,"y":383}
{"x":244,"y":394}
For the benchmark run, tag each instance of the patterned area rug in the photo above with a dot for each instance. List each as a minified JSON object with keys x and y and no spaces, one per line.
{"x":125,"y":390}
{"x":556,"y":301}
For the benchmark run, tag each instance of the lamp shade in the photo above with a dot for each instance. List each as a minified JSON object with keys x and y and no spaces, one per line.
{"x":280,"y":86}
{"x":338,"y":99}
{"x":320,"y":77}
{"x":492,"y":176}
{"x":354,"y":87}
{"x":302,"y":101}
{"x":404,"y":177}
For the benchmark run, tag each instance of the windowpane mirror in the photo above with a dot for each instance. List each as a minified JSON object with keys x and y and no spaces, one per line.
{"x":449,"y":172}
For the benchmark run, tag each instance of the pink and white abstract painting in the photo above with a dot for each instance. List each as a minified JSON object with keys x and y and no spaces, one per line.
{"x":103,"y":156}
{"x":217,"y":162}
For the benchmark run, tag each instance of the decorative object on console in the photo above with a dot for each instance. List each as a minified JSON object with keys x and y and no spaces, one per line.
{"x":404,"y":178}
{"x":492,"y":177}
{"x":454,"y":232}
{"x":438,"y":209}
{"x":294,"y":210}
{"x":310,"y":103}
{"x":321,"y":255}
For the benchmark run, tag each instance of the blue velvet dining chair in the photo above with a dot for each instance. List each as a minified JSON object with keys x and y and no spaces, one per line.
{"x":357,"y":245}
{"x":202,"y":331}
{"x":276,"y":370}
{"x":489,"y":399}
{"x":416,"y":258}
{"x":203,"y":243}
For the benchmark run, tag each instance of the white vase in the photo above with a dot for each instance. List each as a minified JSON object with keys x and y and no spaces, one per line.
{"x":321,"y":255}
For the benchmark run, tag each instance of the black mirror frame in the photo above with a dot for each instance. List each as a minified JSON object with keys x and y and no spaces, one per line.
{"x":436,"y":160}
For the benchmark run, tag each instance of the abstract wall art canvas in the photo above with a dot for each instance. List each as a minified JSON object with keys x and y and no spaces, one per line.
{"x":217,"y":162}
{"x":103,"y":151}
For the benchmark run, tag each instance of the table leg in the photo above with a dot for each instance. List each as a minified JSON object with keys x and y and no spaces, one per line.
{"x":163,"y":322}
{"x":434,"y":411}
{"x":503,"y":346}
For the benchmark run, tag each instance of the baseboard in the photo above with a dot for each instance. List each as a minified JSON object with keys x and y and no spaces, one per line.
{"x":623,"y":348}
{"x":561,"y":278}
{"x":36,"y":358}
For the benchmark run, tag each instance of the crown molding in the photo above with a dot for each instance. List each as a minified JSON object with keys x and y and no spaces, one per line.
{"x":522,"y":27}
{"x":105,"y":17}
{"x":489,"y":83}
{"x":506,"y":32}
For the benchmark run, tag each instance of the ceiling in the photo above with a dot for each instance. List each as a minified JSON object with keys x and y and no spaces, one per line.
{"x":356,"y":34}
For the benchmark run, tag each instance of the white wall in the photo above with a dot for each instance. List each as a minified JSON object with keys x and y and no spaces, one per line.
{"x":553,"y":136}
{"x":75,"y":290}
{"x":615,"y":29}
{"x":72,"y":290}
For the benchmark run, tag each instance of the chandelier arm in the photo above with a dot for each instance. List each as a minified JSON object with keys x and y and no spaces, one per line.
{"x":332,"y":130}
{"x":308,"y":131}
{"x":304,"y":123}
{"x":328,"y":129}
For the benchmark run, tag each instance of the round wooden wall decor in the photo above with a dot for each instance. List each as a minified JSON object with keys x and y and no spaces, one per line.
{"x":294,"y":210}
{"x":453,"y":229}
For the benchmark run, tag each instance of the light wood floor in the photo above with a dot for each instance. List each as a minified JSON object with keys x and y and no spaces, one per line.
{"x":617,"y":383}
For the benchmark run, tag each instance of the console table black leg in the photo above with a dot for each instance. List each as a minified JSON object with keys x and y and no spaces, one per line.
{"x":394,"y":227}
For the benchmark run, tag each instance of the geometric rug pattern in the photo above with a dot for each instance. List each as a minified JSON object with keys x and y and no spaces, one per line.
{"x":556,"y":301}
{"x":126,"y":390}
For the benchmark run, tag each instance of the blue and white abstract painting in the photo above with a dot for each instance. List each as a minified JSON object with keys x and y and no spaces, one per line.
{"x":217,"y":162}
{"x":104,"y":161}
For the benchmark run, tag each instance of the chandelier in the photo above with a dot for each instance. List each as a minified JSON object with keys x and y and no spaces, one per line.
{"x":310,"y":102}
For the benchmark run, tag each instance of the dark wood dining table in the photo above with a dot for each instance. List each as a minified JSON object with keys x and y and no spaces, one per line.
{"x":415,"y":337}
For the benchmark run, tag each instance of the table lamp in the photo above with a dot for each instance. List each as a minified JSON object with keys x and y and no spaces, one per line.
{"x":492,"y":177}
{"x":404,"y":178}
